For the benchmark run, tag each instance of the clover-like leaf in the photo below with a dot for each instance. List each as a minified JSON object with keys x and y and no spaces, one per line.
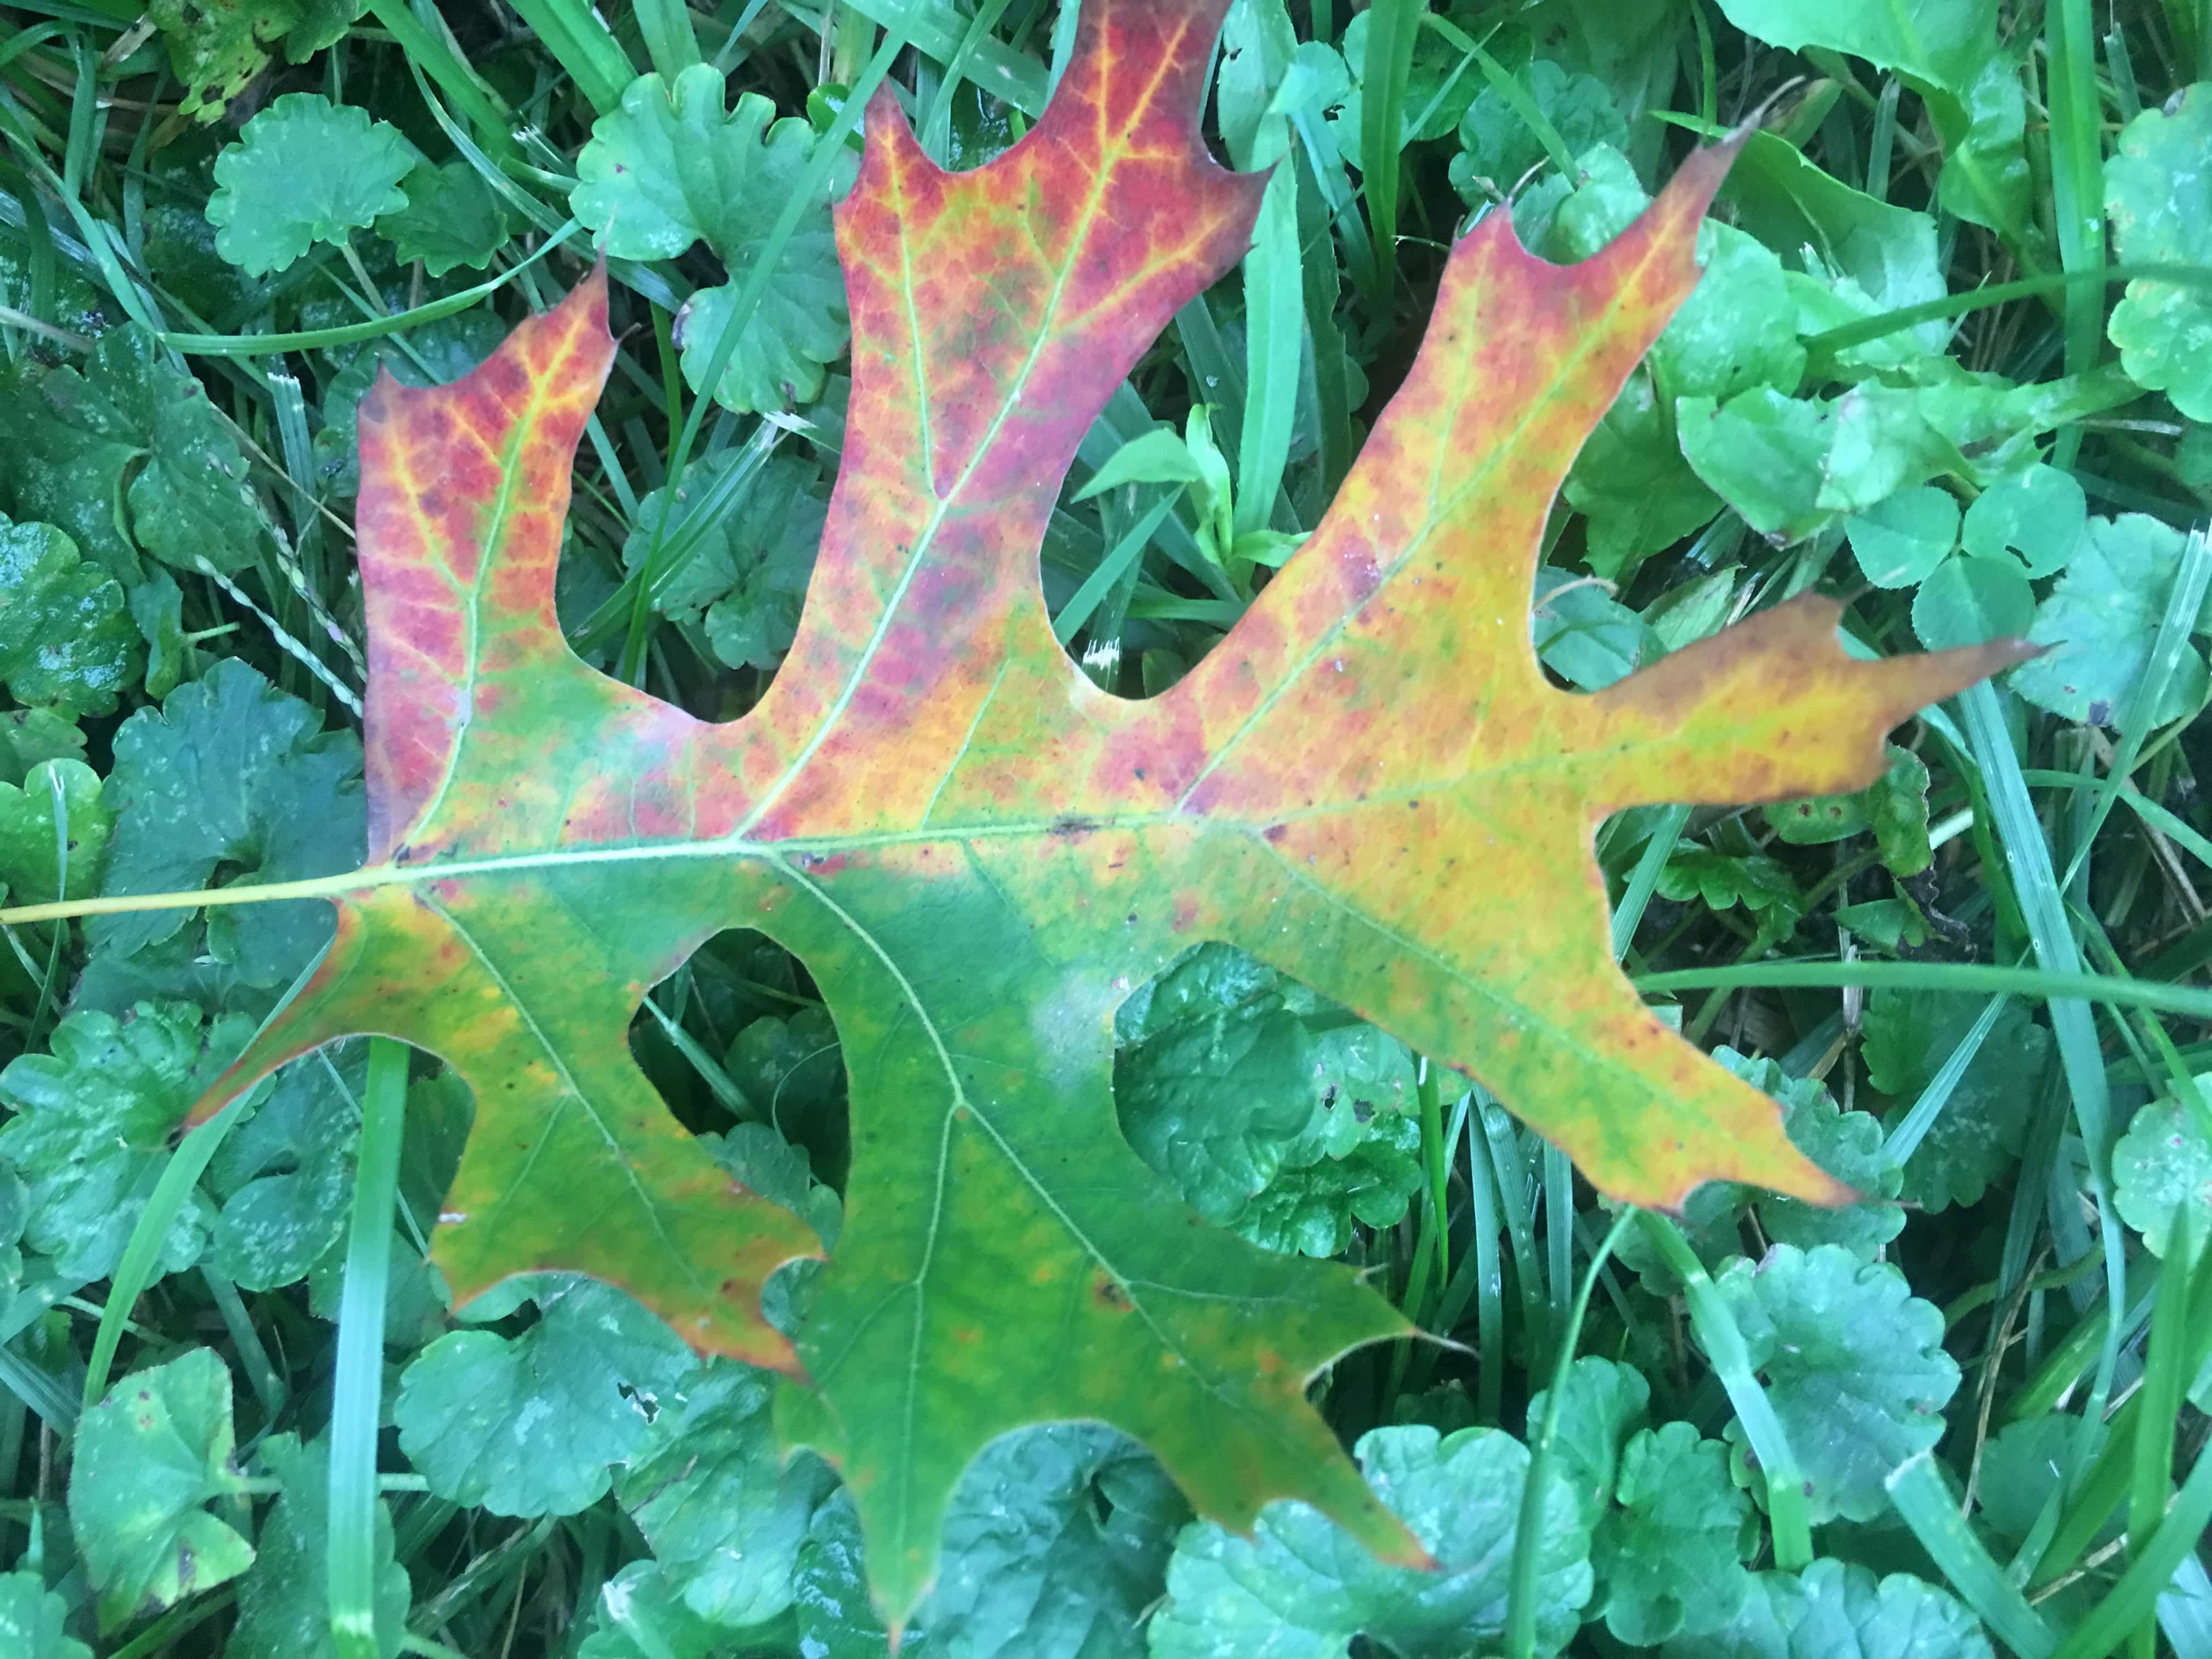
{"x":284,"y":1600}
{"x":2162,"y":1167}
{"x":1839,"y":1610}
{"x":1370,"y":784}
{"x":1900,"y":539}
{"x":148,"y":1460}
{"x":2159,"y":198}
{"x":671,"y":168}
{"x":1300,"y":1587}
{"x":66,"y":638}
{"x":305,"y":171}
{"x":533,"y":1424}
{"x":129,"y":455}
{"x":2038,"y":514}
{"x":1854,"y":1364}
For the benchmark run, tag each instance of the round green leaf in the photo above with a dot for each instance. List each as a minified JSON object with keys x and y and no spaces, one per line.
{"x":32,"y":1619}
{"x":2039,"y":515}
{"x":148,"y":1458}
{"x":1839,"y":1610}
{"x":2158,"y":194}
{"x":57,"y":815}
{"x":1669,"y":1557}
{"x":2099,"y":624}
{"x":305,"y":171}
{"x":451,"y":218}
{"x":1966,"y":601}
{"x":1898,"y":542}
{"x":1854,"y":1364}
{"x":2161,"y":1165}
{"x":66,"y":636}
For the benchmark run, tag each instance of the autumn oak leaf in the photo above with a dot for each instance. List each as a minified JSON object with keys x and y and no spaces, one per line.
{"x":1369,"y":784}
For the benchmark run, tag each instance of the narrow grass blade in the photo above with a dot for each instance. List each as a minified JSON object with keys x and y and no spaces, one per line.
{"x":1393,"y":27}
{"x":357,"y":1392}
{"x":1918,"y":1492}
{"x":1936,"y":976}
{"x":1721,"y":1338}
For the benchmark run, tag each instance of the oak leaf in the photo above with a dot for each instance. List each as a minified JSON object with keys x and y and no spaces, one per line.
{"x":1369,"y":784}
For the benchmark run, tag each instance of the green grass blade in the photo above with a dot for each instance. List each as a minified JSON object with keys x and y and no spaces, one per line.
{"x":357,"y":1391}
{"x":1393,"y":27}
{"x":1918,"y":1492}
{"x":1904,"y":1139}
{"x":1988,"y":980}
{"x":2077,"y":186}
{"x":1274,"y":337}
{"x":2135,"y":1598}
{"x":1721,"y":1338}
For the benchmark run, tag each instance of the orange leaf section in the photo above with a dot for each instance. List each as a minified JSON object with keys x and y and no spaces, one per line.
{"x":1370,"y":784}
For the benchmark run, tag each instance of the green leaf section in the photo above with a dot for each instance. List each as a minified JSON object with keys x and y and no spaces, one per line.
{"x":2159,"y":198}
{"x":305,"y":171}
{"x":673,"y":167}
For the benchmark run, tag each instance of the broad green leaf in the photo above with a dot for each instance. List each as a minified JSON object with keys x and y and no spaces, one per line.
{"x":128,"y":456}
{"x":56,"y":820}
{"x":748,"y":551}
{"x":1497,"y":146}
{"x":2159,"y":198}
{"x":1055,"y":1547}
{"x":148,"y":1460}
{"x":1894,"y":808}
{"x":229,"y":774}
{"x":92,"y":1126}
{"x":639,"y":1615}
{"x":936,"y":810}
{"x":32,"y":1619}
{"x":284,"y":1601}
{"x":1966,"y":600}
{"x":217,"y":46}
{"x":2039,"y":515}
{"x":1909,"y":1035}
{"x":1763,"y":885}
{"x":1669,"y":1555}
{"x":2023,"y":1464}
{"x":1946,"y":51}
{"x":1298,"y":1589}
{"x":30,"y":736}
{"x":533,"y":1424}
{"x":1581,"y":632}
{"x":451,"y":218}
{"x":2099,"y":623}
{"x":1603,"y":1404}
{"x":709,"y":1489}
{"x":2162,"y":1166}
{"x":1899,"y":540}
{"x":66,"y":639}
{"x":305,"y":171}
{"x":671,"y":168}
{"x":1847,"y":1145}
{"x":1636,"y":490}
{"x":284,"y":1175}
{"x":1853,"y":1363}
{"x":1839,"y":1610}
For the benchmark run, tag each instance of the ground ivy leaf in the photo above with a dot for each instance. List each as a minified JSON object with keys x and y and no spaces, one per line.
{"x":1838,"y":1610}
{"x":723,"y":1512}
{"x":545,"y":844}
{"x":33,"y":1619}
{"x":640,"y":1615}
{"x":217,"y":46}
{"x":66,"y":638}
{"x":1497,"y":146}
{"x":146,"y":1461}
{"x":75,"y":438}
{"x":748,"y":564}
{"x":1849,"y":1146}
{"x":2022,"y":1464}
{"x":2098,"y":625}
{"x":1301,"y":1589}
{"x":284,"y":1600}
{"x":1603,"y":1403}
{"x":284,"y":1177}
{"x":1854,"y":1364}
{"x":671,"y":167}
{"x":60,"y":796}
{"x":91,"y":1133}
{"x":1979,"y":1134}
{"x":1669,"y":1556}
{"x":451,"y":218}
{"x":532,"y":1424}
{"x":1634,"y":487}
{"x":230,"y":772}
{"x":305,"y":171}
{"x":2159,"y":202}
{"x":1055,"y":1548}
{"x":2162,"y":1165}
